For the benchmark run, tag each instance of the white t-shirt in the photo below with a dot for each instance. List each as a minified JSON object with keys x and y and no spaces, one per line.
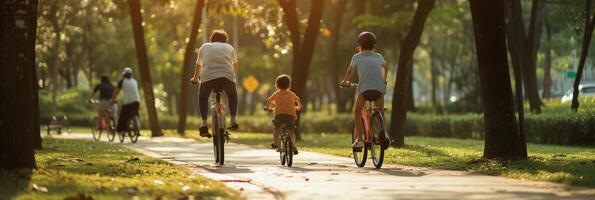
{"x":216,"y":60}
{"x":129,"y":89}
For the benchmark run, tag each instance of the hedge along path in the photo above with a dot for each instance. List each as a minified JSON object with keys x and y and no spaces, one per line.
{"x":325,"y":177}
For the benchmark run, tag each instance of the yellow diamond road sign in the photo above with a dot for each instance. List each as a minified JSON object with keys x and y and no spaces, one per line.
{"x":250,"y":83}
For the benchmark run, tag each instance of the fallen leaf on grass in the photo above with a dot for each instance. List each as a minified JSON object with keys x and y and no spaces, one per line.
{"x":39,"y":188}
{"x":130,"y":160}
{"x":79,"y":197}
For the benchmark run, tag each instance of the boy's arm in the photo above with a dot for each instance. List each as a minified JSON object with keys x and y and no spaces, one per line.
{"x":348,"y":74}
{"x":299,"y":103}
{"x":270,"y":100}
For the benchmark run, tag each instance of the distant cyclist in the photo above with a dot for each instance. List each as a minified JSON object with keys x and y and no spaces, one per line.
{"x":216,"y":68}
{"x":371,"y":70}
{"x":131,"y":101}
{"x":105,"y":90}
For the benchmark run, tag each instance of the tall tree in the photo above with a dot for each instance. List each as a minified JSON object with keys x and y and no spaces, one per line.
{"x":502,"y":138}
{"x":143,"y":65}
{"x":340,"y":7}
{"x":186,"y":68}
{"x":528,"y":43}
{"x":589,"y":24}
{"x":303,"y":47}
{"x":547,"y":66}
{"x":19,"y":119}
{"x":404,"y":72}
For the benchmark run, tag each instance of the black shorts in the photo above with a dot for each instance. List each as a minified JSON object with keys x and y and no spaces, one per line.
{"x":281,"y":119}
{"x":372,"y":95}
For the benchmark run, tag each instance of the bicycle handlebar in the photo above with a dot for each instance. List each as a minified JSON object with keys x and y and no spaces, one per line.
{"x":351,"y":85}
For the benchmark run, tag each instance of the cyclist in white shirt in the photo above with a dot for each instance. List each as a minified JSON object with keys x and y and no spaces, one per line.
{"x":131,"y":100}
{"x":216,"y":68}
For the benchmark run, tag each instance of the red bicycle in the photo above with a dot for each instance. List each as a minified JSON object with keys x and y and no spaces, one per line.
{"x":104,"y":123}
{"x":375,"y":138}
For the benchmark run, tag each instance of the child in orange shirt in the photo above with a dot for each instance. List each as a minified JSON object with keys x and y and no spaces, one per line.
{"x":285,"y":104}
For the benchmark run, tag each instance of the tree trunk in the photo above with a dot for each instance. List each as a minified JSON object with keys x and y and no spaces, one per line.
{"x":19,"y":119}
{"x":515,"y":46}
{"x":302,"y":50}
{"x":336,"y":35}
{"x":433,"y":84}
{"x":187,"y":66}
{"x":502,"y":138}
{"x":401,"y":93}
{"x":301,"y":66}
{"x":547,"y":68}
{"x":589,"y":24}
{"x":143,"y":65}
{"x":410,"y":97}
{"x":528,"y":50}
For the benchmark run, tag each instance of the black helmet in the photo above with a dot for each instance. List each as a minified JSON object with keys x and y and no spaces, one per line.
{"x":366,"y":40}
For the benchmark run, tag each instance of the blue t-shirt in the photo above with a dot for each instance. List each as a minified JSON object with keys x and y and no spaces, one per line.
{"x":369,"y":70}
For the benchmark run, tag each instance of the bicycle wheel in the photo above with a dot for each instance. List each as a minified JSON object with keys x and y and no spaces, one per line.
{"x":134,"y":132}
{"x":282,"y":149}
{"x":376,"y":147}
{"x":289,"y":151}
{"x":359,"y":155}
{"x":215,"y":137}
{"x":111,"y":135}
{"x":122,"y":136}
{"x":220,"y":146}
{"x":95,"y":129}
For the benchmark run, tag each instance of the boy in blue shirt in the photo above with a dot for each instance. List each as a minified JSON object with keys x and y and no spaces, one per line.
{"x":371,"y":70}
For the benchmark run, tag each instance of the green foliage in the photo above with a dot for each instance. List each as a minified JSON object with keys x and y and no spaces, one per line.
{"x":70,"y":168}
{"x":69,"y":102}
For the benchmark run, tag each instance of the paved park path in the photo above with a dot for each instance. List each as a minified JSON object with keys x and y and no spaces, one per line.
{"x":258,"y":175}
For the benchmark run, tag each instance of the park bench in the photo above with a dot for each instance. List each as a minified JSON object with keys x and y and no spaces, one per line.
{"x":58,"y":124}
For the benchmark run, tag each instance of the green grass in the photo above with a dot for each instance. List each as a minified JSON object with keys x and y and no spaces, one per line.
{"x":560,"y":164}
{"x":73,"y":168}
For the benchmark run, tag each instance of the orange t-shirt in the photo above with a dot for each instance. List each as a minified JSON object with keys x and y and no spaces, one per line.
{"x":284,"y":102}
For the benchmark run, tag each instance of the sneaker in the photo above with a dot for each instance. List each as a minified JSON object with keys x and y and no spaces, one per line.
{"x":234,"y":126}
{"x":273,"y":146}
{"x":358,"y":144}
{"x":204,"y":131}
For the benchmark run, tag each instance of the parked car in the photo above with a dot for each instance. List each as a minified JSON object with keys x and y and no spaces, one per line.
{"x":585,"y":90}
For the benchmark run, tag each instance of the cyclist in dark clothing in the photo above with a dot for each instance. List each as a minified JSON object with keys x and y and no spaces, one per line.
{"x":106,"y":90}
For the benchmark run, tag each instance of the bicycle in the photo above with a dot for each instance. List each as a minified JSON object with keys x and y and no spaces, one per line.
{"x":106,"y":122}
{"x":220,"y":134}
{"x":132,"y":130}
{"x":375,"y":138}
{"x":286,"y":147}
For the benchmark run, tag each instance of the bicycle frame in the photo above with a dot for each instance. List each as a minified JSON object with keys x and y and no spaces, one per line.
{"x":369,"y":107}
{"x":219,"y":110}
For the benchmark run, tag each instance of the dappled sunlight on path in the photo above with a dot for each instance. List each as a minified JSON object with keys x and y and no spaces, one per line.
{"x":258,"y":173}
